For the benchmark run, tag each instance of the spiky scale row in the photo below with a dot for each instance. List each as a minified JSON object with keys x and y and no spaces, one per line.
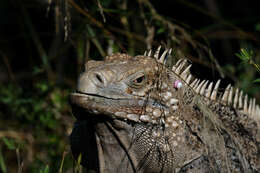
{"x":236,"y":100}
{"x":227,"y":98}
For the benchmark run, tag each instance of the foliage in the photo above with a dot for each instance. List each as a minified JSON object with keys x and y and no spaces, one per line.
{"x":246,"y":56}
{"x":41,"y":116}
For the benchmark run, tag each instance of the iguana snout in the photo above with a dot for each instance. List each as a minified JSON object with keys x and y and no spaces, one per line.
{"x":95,"y":81}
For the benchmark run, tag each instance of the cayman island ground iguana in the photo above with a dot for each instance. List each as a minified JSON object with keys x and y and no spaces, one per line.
{"x":135,"y":114}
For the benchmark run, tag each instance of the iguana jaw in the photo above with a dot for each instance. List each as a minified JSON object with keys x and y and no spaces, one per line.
{"x":137,"y":110}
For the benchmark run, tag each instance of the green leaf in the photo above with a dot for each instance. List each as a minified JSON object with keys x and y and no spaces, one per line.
{"x":37,"y":70}
{"x":42,"y":86}
{"x":45,"y":170}
{"x":91,"y":32}
{"x":62,"y":161}
{"x":244,"y":55}
{"x":78,"y":162}
{"x":257,"y":80}
{"x":9,"y":143}
{"x":2,"y":163}
{"x":257,"y":27}
{"x":239,"y":56}
{"x":161,"y":30}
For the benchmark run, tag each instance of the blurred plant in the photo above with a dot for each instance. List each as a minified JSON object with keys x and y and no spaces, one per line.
{"x":2,"y":162}
{"x":40,"y":110}
{"x":12,"y":145}
{"x":45,"y":169}
{"x":246,"y":55}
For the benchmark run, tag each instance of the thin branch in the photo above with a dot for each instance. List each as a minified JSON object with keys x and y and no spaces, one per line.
{"x":94,"y":21}
{"x":37,"y":42}
{"x":19,"y":162}
{"x":221,"y":20}
{"x":8,"y":66}
{"x":101,"y":11}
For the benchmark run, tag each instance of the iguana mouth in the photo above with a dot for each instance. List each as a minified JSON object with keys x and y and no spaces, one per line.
{"x":126,"y":109}
{"x":101,"y":96}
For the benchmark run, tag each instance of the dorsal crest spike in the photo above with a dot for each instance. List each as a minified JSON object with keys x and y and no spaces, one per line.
{"x":254,"y":107}
{"x":196,"y":84}
{"x":245,"y":104}
{"x":157,"y":53}
{"x":208,"y":91}
{"x":215,"y":90}
{"x":193,"y":83}
{"x":150,"y":53}
{"x":240,"y":102}
{"x":230,"y":96}
{"x":202,"y":91}
{"x":170,"y":51}
{"x":163,"y":56}
{"x":178,"y":62}
{"x":197,"y":89}
{"x":167,"y":55}
{"x":250,"y":107}
{"x":179,"y":68}
{"x":187,"y":70}
{"x":226,"y":93}
{"x":236,"y":98}
{"x":188,"y":79}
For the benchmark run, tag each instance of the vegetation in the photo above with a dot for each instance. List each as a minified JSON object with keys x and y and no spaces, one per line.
{"x":45,"y":43}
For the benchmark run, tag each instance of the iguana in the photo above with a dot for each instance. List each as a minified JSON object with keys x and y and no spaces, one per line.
{"x":136,"y":114}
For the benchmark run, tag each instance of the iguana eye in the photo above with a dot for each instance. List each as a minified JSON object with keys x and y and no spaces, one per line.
{"x":138,"y":81}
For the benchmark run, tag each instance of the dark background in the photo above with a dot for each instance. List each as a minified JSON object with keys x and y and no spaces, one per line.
{"x":39,"y":64}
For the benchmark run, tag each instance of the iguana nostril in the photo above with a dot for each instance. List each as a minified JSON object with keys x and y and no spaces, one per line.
{"x":99,"y":78}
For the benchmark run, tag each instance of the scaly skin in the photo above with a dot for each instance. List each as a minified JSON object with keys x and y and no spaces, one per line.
{"x":136,"y":115}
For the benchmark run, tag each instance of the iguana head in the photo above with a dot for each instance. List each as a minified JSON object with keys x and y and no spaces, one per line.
{"x":137,"y":107}
{"x":137,"y":89}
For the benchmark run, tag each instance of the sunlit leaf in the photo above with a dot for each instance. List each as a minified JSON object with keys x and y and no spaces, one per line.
{"x":257,"y":80}
{"x":9,"y":143}
{"x":2,"y":163}
{"x":45,"y":170}
{"x":161,"y":30}
{"x":257,"y":27}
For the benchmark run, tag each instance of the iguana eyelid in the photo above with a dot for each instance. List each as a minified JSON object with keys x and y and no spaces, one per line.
{"x":138,"y":81}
